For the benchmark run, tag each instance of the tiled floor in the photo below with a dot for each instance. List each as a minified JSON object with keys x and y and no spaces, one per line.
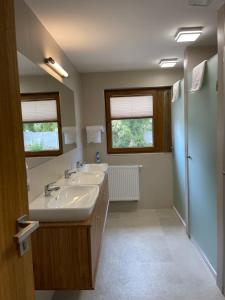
{"x":147,"y":256}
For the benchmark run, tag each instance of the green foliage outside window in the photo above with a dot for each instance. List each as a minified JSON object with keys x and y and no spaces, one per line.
{"x":35,"y":147}
{"x":40,"y":127}
{"x":130,"y":133}
{"x":41,"y":136}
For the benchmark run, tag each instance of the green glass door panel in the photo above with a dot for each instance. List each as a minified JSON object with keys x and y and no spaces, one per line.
{"x":202,"y":114}
{"x":178,"y":131}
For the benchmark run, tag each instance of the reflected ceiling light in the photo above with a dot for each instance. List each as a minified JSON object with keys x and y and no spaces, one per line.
{"x":168,"y":63}
{"x":188,"y":34}
{"x":56,"y":67}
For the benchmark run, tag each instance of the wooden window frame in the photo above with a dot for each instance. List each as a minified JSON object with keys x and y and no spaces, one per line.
{"x":43,"y":97}
{"x":157,"y":118}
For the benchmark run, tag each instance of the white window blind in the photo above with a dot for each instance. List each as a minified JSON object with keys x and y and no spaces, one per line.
{"x":128,"y":107}
{"x":39,"y":110}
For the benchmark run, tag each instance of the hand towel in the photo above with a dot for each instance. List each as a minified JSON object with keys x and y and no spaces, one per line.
{"x":94,"y":134}
{"x":69,"y":133}
{"x":176,"y":91}
{"x":198,"y":76}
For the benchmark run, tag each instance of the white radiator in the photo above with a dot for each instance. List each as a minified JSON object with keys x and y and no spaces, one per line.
{"x":124,"y":183}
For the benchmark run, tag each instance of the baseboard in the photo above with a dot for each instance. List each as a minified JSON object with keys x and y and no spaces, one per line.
{"x":204,"y":257}
{"x":199,"y":250}
{"x":179,"y":216}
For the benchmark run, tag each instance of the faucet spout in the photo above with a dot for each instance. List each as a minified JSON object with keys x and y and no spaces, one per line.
{"x":50,"y":188}
{"x":68,"y":173}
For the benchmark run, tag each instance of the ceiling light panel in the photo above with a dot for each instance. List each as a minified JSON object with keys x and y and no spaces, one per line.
{"x":168,"y":63}
{"x":188,"y":34}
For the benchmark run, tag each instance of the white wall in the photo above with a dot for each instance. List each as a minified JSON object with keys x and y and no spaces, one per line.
{"x":156,"y":174}
{"x":34,"y":42}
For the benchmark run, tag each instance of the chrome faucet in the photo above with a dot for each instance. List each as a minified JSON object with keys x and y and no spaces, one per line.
{"x":83,"y":163}
{"x":68,"y":173}
{"x":50,"y":188}
{"x":78,"y":164}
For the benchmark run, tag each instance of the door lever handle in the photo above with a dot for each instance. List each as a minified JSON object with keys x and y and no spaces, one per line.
{"x":189,"y":157}
{"x":25,"y":229}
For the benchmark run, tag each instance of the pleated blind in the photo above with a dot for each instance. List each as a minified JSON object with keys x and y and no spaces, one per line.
{"x":34,"y":111}
{"x":131,"y":107}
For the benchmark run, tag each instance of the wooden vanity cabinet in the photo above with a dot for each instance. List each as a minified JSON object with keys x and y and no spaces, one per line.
{"x":66,"y":255}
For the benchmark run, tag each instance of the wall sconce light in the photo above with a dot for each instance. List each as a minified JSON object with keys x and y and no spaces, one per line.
{"x":56,"y":67}
{"x":168,"y":63}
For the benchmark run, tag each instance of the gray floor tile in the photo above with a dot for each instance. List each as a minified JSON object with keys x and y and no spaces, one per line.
{"x":146,"y":255}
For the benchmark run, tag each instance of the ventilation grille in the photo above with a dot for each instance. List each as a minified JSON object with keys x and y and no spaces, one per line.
{"x":200,"y":2}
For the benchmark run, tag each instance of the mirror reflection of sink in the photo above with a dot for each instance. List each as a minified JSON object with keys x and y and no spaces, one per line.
{"x":83,"y":178}
{"x":95,"y":167}
{"x":71,"y":203}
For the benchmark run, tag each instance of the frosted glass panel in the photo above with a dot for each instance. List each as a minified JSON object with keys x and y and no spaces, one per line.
{"x":178,"y":134}
{"x":128,"y":107}
{"x":202,"y":129}
{"x":39,"y":110}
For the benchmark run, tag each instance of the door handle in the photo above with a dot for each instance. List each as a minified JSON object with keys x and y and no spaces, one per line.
{"x":189,"y":157}
{"x":25,"y":229}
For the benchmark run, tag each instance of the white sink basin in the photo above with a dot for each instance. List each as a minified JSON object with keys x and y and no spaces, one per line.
{"x":94,"y":168}
{"x":70,"y":203}
{"x":83,"y":178}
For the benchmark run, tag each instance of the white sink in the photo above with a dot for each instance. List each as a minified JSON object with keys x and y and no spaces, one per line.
{"x":95,"y":168}
{"x":70,"y":203}
{"x":83,"y":178}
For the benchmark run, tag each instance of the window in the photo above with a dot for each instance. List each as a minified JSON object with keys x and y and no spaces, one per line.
{"x":138,"y":120}
{"x":42,"y":129}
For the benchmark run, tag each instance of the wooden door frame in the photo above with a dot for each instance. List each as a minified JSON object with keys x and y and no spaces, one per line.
{"x":16,"y":272}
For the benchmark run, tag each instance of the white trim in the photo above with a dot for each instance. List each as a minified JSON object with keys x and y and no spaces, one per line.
{"x":179,"y":216}
{"x":204,"y":257}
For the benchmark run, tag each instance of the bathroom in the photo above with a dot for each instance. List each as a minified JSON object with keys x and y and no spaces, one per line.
{"x":89,"y":209}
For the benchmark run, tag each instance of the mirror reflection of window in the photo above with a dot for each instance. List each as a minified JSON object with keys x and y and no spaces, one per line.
{"x":42,"y":133}
{"x":42,"y":128}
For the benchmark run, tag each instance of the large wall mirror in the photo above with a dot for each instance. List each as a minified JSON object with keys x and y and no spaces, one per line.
{"x":48,"y":114}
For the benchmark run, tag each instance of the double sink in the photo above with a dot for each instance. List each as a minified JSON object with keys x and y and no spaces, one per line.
{"x":74,"y":200}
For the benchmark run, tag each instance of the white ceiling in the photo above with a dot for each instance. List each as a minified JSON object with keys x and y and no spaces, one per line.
{"x":110,"y":35}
